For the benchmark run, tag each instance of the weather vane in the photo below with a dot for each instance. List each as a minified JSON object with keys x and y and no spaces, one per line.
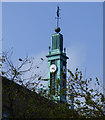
{"x":58,"y":16}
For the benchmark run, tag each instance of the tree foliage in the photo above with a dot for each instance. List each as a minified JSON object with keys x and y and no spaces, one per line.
{"x":87,"y":101}
{"x":22,"y":72}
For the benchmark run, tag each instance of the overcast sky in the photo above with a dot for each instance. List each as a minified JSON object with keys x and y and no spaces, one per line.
{"x":27,"y":27}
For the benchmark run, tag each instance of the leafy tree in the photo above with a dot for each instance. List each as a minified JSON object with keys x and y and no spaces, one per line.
{"x":18,"y":73}
{"x":87,"y":101}
{"x":22,"y":72}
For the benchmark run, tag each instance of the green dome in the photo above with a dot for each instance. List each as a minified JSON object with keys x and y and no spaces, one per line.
{"x":57,"y":29}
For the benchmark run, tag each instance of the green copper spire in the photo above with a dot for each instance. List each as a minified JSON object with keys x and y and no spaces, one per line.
{"x":57,"y":41}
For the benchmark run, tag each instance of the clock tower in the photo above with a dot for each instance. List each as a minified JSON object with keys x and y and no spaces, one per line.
{"x":57,"y":61}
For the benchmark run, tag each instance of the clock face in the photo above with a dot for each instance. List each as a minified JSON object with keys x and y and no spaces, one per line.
{"x":53,"y":68}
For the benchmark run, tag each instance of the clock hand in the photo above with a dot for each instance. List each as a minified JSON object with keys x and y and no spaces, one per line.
{"x":53,"y":68}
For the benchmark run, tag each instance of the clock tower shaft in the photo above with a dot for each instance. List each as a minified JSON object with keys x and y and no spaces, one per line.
{"x":57,"y":57}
